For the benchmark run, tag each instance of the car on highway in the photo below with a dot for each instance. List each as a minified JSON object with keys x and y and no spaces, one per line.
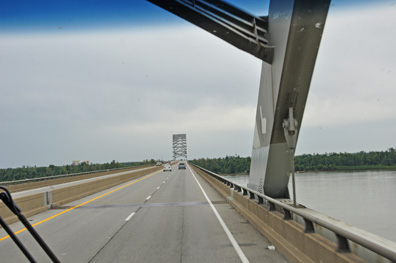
{"x":158,"y":164}
{"x":167,"y":167}
{"x":182,"y":166}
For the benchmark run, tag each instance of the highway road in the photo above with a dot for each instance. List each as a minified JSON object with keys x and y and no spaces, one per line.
{"x":58,"y":186}
{"x":162,"y":217}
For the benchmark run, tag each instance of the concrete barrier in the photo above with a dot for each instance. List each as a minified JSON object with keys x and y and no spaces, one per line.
{"x":287,"y":236}
{"x":30,"y":205}
{"x":37,"y":203}
{"x":69,"y":194}
{"x":33,"y":185}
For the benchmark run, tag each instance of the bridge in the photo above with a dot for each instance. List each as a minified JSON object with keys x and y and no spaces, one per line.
{"x":193,"y":215}
{"x":160,"y":217}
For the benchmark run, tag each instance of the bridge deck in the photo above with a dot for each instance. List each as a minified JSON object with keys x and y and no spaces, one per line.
{"x":163,"y":217}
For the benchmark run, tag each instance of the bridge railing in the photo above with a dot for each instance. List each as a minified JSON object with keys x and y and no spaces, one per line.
{"x":342,"y":232}
{"x":38,"y":179}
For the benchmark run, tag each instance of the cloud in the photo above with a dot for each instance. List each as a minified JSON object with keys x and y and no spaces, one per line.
{"x":355,"y":71}
{"x":352,"y":90}
{"x":88,"y":88}
{"x":207,"y":118}
{"x":121,"y":94}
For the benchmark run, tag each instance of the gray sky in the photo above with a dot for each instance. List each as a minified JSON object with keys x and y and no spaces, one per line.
{"x":107,"y":95}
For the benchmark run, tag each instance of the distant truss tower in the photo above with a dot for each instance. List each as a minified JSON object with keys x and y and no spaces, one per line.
{"x":179,"y":146}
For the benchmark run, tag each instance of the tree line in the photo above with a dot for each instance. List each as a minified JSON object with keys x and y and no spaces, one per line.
{"x":227,"y":165}
{"x":346,"y":161}
{"x":24,"y":172}
{"x":308,"y":162}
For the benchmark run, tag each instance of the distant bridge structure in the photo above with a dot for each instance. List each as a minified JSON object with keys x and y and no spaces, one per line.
{"x":179,"y":146}
{"x":287,"y":41}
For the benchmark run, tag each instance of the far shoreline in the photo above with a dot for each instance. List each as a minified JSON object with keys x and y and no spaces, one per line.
{"x":351,"y":169}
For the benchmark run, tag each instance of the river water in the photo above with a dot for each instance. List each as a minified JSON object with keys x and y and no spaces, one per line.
{"x":363,"y":199}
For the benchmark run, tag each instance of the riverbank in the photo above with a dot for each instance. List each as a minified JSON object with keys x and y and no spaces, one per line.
{"x":328,"y":162}
{"x":355,"y":169}
{"x":367,"y":168}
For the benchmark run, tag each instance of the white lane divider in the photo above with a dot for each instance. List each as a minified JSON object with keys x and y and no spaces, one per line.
{"x":129,"y":217}
{"x":237,"y":248}
{"x":133,"y":213}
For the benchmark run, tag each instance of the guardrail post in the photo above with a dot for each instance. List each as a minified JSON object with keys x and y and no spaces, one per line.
{"x":287,"y":214}
{"x":309,"y":227}
{"x":244,"y":191}
{"x":343,"y":246}
{"x":260,"y":200}
{"x":48,"y":198}
{"x":271,"y":206}
{"x":251,"y":195}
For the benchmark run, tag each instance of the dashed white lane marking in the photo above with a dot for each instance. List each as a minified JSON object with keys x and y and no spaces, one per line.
{"x":226,"y":230}
{"x":148,"y":197}
{"x":129,"y":217}
{"x":163,"y":182}
{"x":158,"y":187}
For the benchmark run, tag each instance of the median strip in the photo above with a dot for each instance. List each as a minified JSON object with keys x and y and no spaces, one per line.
{"x":74,"y":207}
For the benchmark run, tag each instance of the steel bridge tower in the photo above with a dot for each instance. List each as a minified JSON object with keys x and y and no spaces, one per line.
{"x":179,"y":146}
{"x":287,"y":40}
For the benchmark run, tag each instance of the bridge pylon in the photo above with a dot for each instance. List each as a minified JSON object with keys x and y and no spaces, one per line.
{"x":179,"y":146}
{"x":287,"y":40}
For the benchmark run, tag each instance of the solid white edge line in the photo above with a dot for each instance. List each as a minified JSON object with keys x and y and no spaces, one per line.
{"x":237,"y":248}
{"x":129,"y":217}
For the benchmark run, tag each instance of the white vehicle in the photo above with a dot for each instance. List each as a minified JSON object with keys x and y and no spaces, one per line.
{"x":167,"y":167}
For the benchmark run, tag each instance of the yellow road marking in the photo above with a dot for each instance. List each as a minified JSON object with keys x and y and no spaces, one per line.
{"x":112,"y":191}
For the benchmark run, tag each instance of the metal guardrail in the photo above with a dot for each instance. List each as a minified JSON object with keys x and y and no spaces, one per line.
{"x":342,"y":233}
{"x":38,"y":179}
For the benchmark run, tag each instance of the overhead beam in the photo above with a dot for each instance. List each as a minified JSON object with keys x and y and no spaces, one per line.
{"x":233,"y":25}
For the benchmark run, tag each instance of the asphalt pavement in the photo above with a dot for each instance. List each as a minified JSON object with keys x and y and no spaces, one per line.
{"x":162,"y":217}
